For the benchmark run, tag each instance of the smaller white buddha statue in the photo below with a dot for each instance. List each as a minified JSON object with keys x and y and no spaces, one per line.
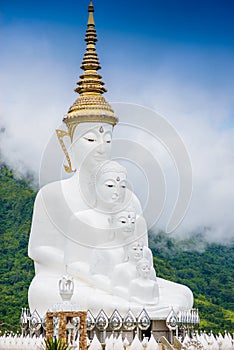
{"x":108,"y":187}
{"x":105,"y":258}
{"x":121,"y":229}
{"x":87,"y":252}
{"x":143,"y":289}
{"x":91,"y":228}
{"x":125,"y":272}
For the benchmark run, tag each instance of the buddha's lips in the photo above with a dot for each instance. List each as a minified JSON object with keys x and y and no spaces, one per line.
{"x":100,"y":157}
{"x":128,"y":230}
{"x":115,"y":196}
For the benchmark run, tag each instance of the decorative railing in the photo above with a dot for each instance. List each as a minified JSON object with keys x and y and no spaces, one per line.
{"x":198,"y":341}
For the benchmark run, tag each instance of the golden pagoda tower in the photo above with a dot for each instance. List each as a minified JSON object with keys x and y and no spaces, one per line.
{"x":90,"y":106}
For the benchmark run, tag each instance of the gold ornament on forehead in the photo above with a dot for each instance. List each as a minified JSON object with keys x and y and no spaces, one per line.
{"x":90,"y":106}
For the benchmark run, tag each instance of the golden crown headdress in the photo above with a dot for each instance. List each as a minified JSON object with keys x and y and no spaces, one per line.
{"x":90,"y":106}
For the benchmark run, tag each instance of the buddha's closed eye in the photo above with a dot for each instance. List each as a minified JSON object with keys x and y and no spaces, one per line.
{"x":89,"y":139}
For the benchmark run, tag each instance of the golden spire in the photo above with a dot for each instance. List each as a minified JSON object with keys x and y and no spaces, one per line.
{"x":90,"y":106}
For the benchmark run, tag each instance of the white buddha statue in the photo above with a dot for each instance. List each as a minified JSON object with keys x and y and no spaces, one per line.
{"x":143,"y":289}
{"x":126,"y":271}
{"x":73,"y":217}
{"x":89,"y":230}
{"x":92,"y":256}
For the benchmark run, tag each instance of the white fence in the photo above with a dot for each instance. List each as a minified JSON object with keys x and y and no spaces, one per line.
{"x":15,"y":342}
{"x":198,"y":341}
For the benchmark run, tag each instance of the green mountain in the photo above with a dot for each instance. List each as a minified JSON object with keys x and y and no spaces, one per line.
{"x":16,"y":269}
{"x":207,"y":271}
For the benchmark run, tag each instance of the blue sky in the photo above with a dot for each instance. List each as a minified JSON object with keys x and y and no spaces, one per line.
{"x":199,"y":22}
{"x":176,"y":57}
{"x":199,"y":34}
{"x":187,"y":41}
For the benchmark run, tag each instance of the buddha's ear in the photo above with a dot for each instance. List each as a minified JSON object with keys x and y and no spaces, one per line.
{"x":61,"y":134}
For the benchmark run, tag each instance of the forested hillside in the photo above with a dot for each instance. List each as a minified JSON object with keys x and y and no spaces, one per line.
{"x":16,"y":203}
{"x":209,"y":273}
{"x":206,"y":269}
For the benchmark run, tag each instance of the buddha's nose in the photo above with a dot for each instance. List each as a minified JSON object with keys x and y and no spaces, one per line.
{"x":116,"y":190}
{"x":101,"y":148}
{"x":129,"y":226}
{"x":115,"y":195}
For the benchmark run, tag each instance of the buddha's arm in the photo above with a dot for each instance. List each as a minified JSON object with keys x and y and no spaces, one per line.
{"x":102,"y":282}
{"x":79,"y":269}
{"x":45,"y":241}
{"x":136,"y":300}
{"x":153,"y":274}
{"x":118,"y":282}
{"x":121,"y":292}
{"x":134,"y":292}
{"x":47,"y":260}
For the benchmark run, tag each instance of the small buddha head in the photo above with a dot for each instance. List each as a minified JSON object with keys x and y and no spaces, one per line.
{"x":123,"y":222}
{"x":110,"y":183}
{"x":134,"y":251}
{"x":143,"y":268}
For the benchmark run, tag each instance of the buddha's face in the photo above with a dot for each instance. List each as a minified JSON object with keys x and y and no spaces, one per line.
{"x":91,"y":144}
{"x":144,"y":269}
{"x":124,"y":221}
{"x":135,"y":251}
{"x":111,"y":187}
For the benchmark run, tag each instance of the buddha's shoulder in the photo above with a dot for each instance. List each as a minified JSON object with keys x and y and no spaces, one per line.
{"x":53,"y":190}
{"x":123,"y":266}
{"x":93,"y":217}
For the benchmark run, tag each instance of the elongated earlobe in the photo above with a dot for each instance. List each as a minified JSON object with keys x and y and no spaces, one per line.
{"x":61,"y":134}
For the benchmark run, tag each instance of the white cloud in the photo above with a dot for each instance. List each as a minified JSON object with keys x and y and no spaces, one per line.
{"x":201,"y":116}
{"x":34,"y":96}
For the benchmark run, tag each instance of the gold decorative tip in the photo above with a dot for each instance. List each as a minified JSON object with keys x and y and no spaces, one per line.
{"x":91,"y":11}
{"x":90,"y":106}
